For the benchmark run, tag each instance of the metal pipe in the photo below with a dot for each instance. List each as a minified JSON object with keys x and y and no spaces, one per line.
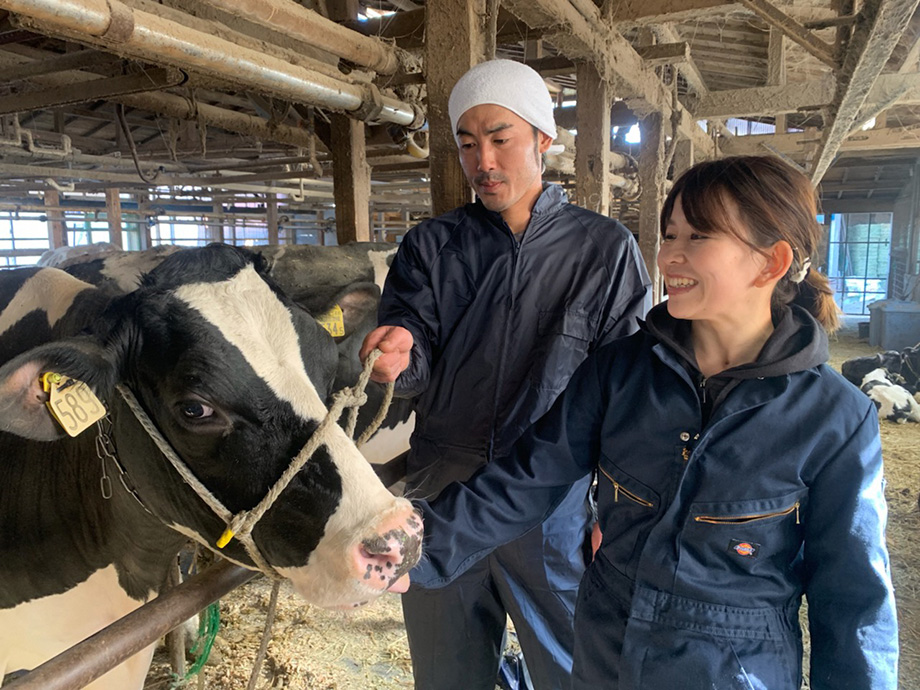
{"x":184,"y":109}
{"x":296,"y":21}
{"x":98,"y":654}
{"x":146,"y":36}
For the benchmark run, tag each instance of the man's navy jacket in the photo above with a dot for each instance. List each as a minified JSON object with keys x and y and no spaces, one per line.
{"x":501,"y":325}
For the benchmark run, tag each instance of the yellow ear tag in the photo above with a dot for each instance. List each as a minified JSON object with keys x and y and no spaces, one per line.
{"x":333,"y":321}
{"x":72,"y":403}
{"x":225,"y":538}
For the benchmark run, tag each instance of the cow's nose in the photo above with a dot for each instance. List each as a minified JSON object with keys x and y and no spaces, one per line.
{"x":390,"y":553}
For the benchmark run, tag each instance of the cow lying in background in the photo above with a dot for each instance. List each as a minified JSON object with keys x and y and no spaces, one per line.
{"x":234,"y":375}
{"x":902,"y":367}
{"x":894,"y":403}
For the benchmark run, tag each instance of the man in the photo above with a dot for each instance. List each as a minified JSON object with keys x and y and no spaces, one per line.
{"x":486,"y":313}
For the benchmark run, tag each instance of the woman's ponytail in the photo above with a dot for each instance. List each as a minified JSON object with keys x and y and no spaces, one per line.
{"x":815,"y":295}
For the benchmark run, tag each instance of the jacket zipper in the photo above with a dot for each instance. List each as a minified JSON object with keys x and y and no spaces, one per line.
{"x":515,"y":251}
{"x":619,"y":489}
{"x":741,"y":519}
{"x":703,"y":381}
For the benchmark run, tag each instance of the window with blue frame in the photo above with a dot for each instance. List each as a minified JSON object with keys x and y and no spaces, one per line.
{"x":858,"y":259}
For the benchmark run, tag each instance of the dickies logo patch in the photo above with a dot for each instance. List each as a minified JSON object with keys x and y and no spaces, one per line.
{"x":747,"y":549}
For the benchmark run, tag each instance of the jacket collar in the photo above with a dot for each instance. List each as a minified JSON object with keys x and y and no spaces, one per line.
{"x":797,"y":343}
{"x":551,"y":200}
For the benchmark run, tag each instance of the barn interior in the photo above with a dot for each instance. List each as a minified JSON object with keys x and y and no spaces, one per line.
{"x":324,"y":121}
{"x":141,"y":123}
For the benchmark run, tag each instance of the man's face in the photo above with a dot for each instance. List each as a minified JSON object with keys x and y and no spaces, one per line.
{"x":501,"y":158}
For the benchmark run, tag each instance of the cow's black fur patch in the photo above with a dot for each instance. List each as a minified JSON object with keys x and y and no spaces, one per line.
{"x":58,"y":529}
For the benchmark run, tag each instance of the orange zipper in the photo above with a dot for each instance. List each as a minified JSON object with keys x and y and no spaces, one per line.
{"x":741,"y":519}
{"x":619,"y":489}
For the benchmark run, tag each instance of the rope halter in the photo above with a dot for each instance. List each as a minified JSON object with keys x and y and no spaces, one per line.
{"x":241,"y":525}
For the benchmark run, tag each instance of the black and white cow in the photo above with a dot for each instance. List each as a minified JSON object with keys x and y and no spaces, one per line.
{"x":234,"y":374}
{"x":902,"y":367}
{"x":894,"y":403}
{"x":318,"y":278}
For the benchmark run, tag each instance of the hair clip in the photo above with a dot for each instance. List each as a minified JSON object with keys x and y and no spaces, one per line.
{"x":800,"y":275}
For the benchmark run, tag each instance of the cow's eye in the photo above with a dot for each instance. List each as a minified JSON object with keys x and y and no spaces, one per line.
{"x":195,"y":410}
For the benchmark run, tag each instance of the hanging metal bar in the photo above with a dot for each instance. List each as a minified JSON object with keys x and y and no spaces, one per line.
{"x":98,"y":654}
{"x":146,"y":36}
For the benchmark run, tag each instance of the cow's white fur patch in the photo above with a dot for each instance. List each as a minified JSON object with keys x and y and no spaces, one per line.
{"x":378,"y":260}
{"x":57,"y":622}
{"x":386,"y":444}
{"x":894,"y":402}
{"x":49,"y":290}
{"x":251,"y":317}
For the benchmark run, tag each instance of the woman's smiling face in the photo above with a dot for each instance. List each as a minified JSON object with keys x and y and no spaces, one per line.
{"x":710,"y":276}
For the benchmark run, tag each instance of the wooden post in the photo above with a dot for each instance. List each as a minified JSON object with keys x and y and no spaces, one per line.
{"x":216,"y":227}
{"x":113,"y":215}
{"x":271,"y":217}
{"x":592,"y":145}
{"x":342,"y":10}
{"x":351,"y":180}
{"x":143,"y":214}
{"x":455,"y":41}
{"x":57,"y":229}
{"x":776,"y":70}
{"x":321,"y":224}
{"x":683,"y":157}
{"x":651,"y":180}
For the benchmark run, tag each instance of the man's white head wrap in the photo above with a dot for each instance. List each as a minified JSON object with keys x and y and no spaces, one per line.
{"x":512,"y":85}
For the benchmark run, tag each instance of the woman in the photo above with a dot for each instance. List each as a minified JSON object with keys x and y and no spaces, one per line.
{"x":737,"y":472}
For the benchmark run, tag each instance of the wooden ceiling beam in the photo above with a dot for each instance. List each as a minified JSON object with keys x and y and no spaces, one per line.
{"x":665,"y":53}
{"x":728,"y":31}
{"x":58,"y":63}
{"x":771,"y":14}
{"x":746,"y":49}
{"x":554,"y":66}
{"x":910,"y":60}
{"x":590,"y":38}
{"x":154,"y":79}
{"x":620,"y":116}
{"x":725,"y":67}
{"x":870,"y":47}
{"x":627,"y":13}
{"x":802,"y":96}
{"x":407,"y":29}
{"x":797,"y":144}
{"x":688,"y":69}
{"x":857,"y":205}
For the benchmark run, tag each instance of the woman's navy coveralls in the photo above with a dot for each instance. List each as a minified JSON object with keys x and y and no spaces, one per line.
{"x":711,"y":532}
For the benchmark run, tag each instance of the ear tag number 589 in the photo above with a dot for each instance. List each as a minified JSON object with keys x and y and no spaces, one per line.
{"x":72,"y":403}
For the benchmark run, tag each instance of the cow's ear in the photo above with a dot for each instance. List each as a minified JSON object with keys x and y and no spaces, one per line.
{"x":23,"y":411}
{"x":359,"y":303}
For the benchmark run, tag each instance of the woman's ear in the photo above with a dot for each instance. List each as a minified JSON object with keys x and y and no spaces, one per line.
{"x":779,"y":259}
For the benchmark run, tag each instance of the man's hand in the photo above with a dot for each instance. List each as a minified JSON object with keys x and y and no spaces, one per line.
{"x":395,"y":342}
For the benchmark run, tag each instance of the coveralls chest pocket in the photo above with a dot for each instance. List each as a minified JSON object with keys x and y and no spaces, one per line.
{"x":740,"y":554}
{"x":627,"y":510}
{"x":725,"y":543}
{"x":563,"y":338}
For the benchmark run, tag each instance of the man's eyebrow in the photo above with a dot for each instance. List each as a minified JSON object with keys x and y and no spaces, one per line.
{"x":492,"y":130}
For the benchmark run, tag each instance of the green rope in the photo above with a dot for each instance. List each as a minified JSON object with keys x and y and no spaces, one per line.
{"x":208,"y":625}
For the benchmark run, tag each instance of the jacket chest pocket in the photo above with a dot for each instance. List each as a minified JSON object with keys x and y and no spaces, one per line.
{"x":762,"y":538}
{"x":563,"y":338}
{"x":628,"y":510}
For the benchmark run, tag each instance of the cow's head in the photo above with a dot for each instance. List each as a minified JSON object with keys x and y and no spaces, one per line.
{"x":234,"y":375}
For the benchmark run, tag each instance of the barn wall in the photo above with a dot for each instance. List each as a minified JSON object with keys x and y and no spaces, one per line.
{"x":905,"y":242}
